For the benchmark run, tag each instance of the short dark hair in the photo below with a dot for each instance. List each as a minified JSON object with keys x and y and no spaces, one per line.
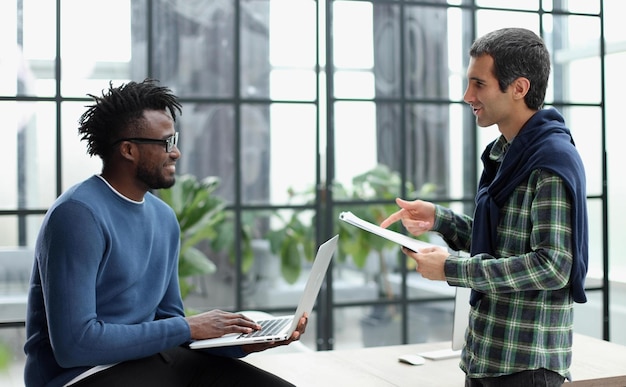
{"x":517,"y":52}
{"x":119,"y":113}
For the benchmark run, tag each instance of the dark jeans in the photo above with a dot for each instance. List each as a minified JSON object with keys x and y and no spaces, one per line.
{"x":532,"y":378}
{"x":182,"y":367}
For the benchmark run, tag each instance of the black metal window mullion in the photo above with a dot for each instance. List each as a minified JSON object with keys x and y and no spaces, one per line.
{"x":326,"y":331}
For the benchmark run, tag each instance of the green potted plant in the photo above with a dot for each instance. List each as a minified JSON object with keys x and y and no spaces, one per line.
{"x":202,"y":217}
{"x":295,"y":238}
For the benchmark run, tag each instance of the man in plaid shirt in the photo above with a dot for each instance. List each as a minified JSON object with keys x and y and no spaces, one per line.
{"x":528,"y":238}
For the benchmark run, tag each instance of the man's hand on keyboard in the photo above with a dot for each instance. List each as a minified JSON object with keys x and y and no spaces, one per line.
{"x":216,"y":323}
{"x":250,"y":348}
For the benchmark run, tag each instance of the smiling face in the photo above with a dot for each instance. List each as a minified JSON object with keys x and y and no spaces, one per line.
{"x":156,"y":168}
{"x":490,"y":105}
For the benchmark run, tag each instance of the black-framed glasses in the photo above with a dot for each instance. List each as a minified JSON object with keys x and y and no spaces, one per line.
{"x":169,"y":142}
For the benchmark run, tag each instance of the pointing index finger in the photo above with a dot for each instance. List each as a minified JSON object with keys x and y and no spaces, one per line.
{"x":396,"y":216}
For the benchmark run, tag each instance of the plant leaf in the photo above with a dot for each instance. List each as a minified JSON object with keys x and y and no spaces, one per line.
{"x":195,"y":262}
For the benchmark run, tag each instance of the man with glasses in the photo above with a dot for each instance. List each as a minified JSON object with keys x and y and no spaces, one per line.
{"x":104,"y":307}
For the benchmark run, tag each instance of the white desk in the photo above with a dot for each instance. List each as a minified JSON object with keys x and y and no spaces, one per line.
{"x":595,"y":363}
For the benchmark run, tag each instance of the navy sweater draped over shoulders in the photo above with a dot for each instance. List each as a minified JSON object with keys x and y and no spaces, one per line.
{"x":543,"y":143}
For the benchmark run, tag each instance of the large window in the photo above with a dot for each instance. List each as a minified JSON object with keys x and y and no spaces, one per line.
{"x":303,"y":109}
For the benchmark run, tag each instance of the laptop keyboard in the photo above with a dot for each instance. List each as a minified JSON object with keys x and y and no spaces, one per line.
{"x":269,"y":327}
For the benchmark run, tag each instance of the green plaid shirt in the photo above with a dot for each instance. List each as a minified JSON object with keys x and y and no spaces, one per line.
{"x":524,"y":319}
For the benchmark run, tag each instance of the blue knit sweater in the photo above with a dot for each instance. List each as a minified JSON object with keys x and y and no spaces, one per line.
{"x":105,"y":284}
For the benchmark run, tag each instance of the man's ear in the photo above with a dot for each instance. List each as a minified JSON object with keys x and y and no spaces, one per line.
{"x":520,"y":87}
{"x":127,"y":150}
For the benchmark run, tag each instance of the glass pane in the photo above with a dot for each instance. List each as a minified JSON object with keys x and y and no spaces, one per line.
{"x":193,"y":47}
{"x":355,"y":139}
{"x":9,"y":230}
{"x":484,"y":137}
{"x":426,"y":32}
{"x":291,"y":84}
{"x":282,"y":250}
{"x":352,"y":35}
{"x":517,"y":4}
{"x":292,"y":21}
{"x":617,"y":313}
{"x":30,"y":155}
{"x":376,"y":131}
{"x":255,"y":153}
{"x":16,"y":75}
{"x":76,"y":165}
{"x":462,"y":154}
{"x":272,"y":65}
{"x":292,"y":153}
{"x":19,"y":230}
{"x":426,"y":52}
{"x":355,"y":84}
{"x":381,"y":325}
{"x":576,"y":56}
{"x":487,"y":21}
{"x":588,"y":316}
{"x":585,"y":124}
{"x":264,"y":283}
{"x":427,"y":146}
{"x":263,"y":267}
{"x":207,"y":144}
{"x":387,"y":53}
{"x":616,"y":186}
{"x":578,"y":6}
{"x":367,"y":258}
{"x":33,"y":224}
{"x":613,"y":24}
{"x":108,"y":54}
{"x":459,"y":37}
{"x":215,"y":290}
{"x":15,"y":268}
{"x":349,"y":332}
{"x":595,"y":271}
{"x":28,"y":47}
{"x":255,"y":47}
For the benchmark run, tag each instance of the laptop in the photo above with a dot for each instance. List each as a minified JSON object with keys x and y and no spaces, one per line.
{"x":280,"y":328}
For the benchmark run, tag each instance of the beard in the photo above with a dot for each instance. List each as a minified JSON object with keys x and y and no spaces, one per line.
{"x":154,"y":178}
